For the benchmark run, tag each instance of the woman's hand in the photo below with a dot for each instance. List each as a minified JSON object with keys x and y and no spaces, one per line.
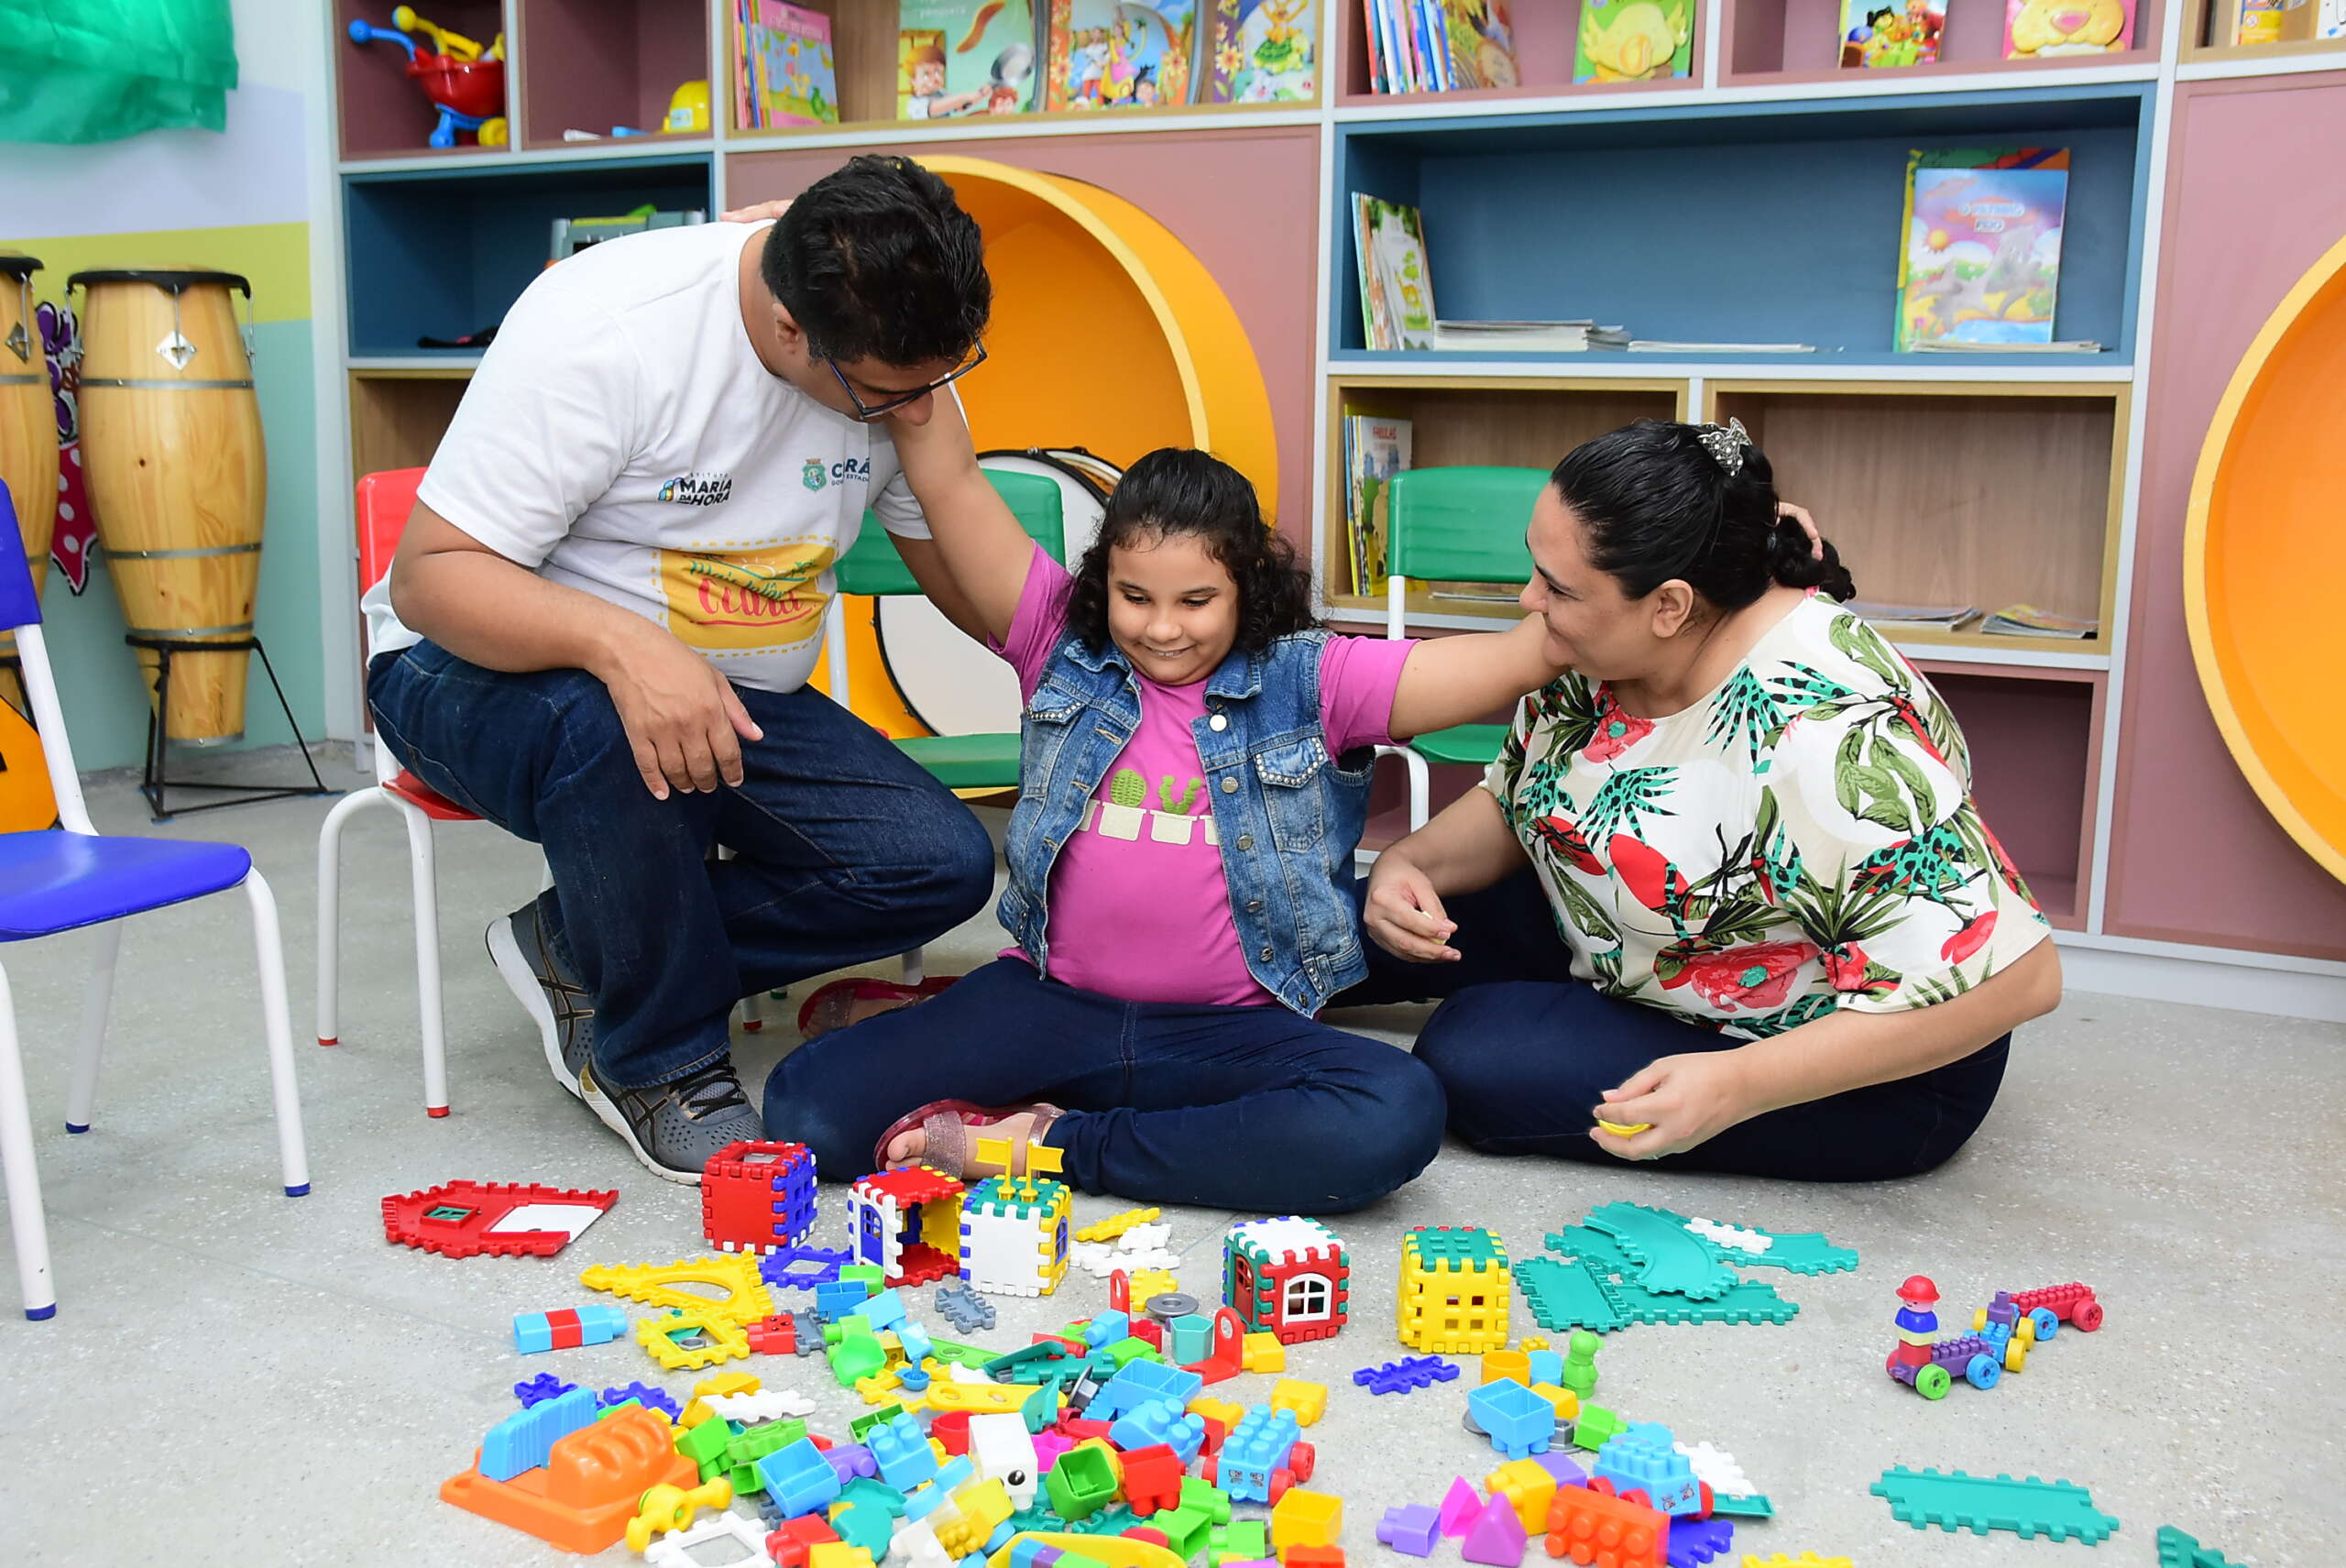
{"x":1404,"y":914}
{"x":1682,"y":1100}
{"x":765,"y":210}
{"x":1783,"y":509}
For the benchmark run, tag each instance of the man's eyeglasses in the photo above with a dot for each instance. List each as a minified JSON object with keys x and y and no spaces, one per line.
{"x":889,"y":405}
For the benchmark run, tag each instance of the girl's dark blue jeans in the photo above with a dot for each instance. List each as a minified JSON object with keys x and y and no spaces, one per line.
{"x":1250,"y":1108}
{"x":844,"y":850}
{"x":1525,"y":1052}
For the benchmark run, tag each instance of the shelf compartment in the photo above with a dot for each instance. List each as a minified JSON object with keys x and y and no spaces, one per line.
{"x":385,"y":114}
{"x":397,"y":417}
{"x":1544,"y":34}
{"x":445,"y":252}
{"x":2200,"y":46}
{"x":1773,"y":222}
{"x":1797,"y":41}
{"x":592,"y":65}
{"x":1975,"y":493}
{"x":1528,"y":424}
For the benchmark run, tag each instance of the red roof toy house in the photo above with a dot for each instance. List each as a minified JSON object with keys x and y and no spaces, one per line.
{"x":1289,"y":1277}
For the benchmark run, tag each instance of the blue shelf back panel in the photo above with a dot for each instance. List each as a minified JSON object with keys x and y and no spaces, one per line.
{"x":440,"y":254}
{"x":1774,"y":223}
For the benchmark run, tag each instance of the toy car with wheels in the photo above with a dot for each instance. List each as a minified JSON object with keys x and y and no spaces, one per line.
{"x":2048,"y":1309}
{"x":1971,"y":1357}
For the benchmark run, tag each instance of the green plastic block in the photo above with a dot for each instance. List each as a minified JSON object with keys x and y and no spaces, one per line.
{"x":1114,"y":1520}
{"x":1125,"y":1352}
{"x":858,"y":1353}
{"x":1241,"y":1540}
{"x":1041,"y":1409}
{"x":1672,"y":1260}
{"x":876,"y":1493}
{"x":1743,"y":1301}
{"x":1568,"y":1296}
{"x":1024,"y":1362}
{"x":1186,"y":1529}
{"x":860,"y":1425}
{"x":741,"y":1454}
{"x":1595,"y":1427}
{"x":1081,"y":1484}
{"x":2178,"y":1549}
{"x":1753,"y":1506}
{"x":705,"y":1445}
{"x":873,"y":1278}
{"x":1207,"y":1498}
{"x":977,"y":1358}
{"x":1954,"y":1500}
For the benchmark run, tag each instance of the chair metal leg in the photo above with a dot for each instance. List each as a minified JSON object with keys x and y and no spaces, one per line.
{"x":1420,"y":787}
{"x":25,"y":1220}
{"x":912,"y":962}
{"x":330,"y":908}
{"x":276,"y":1025}
{"x":96,"y":1003}
{"x":429,"y":1013}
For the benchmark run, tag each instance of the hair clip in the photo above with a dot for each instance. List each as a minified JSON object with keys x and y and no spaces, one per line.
{"x":1725,"y":444}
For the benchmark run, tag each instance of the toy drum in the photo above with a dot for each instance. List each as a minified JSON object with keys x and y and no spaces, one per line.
{"x":28,"y":435}
{"x":172,"y":448}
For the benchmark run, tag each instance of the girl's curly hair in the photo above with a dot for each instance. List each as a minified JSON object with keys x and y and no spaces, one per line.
{"x":1177,"y":490}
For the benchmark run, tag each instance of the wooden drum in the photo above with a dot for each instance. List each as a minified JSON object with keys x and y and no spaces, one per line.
{"x":28,"y":435}
{"x":171,"y":450}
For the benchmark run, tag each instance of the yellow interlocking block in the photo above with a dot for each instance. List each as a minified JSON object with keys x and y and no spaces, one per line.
{"x":1529,"y":1487}
{"x":1263,"y":1353}
{"x":982,"y":1505}
{"x":721,"y":1339}
{"x":746,"y":1298}
{"x":1567,"y":1403}
{"x":1806,"y":1560}
{"x":1151,"y":1282}
{"x":1218,"y":1410}
{"x":1115,"y":1225}
{"x":1530,"y":1342}
{"x":838,"y":1554}
{"x":1306,"y":1518}
{"x":879,"y":1389}
{"x":723,"y":1383}
{"x":1307,"y":1400}
{"x":980,"y":1398}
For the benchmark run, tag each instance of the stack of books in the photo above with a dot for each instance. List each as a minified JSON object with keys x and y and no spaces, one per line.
{"x":1439,"y":46}
{"x":1375,"y":448}
{"x":2027,"y":620}
{"x":1912,"y":617}
{"x":1526,"y":337}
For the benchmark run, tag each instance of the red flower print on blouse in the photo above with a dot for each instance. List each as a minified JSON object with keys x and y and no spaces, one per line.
{"x":1615,"y":731}
{"x":1758,"y":978}
{"x":1845,"y":971}
{"x":1563,"y":835}
{"x":1971,"y":939}
{"x":1647,"y":872}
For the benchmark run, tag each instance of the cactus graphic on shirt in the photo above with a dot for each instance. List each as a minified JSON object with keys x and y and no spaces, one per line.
{"x":1183,"y":805}
{"x":1120,"y":814}
{"x":1171,"y":822}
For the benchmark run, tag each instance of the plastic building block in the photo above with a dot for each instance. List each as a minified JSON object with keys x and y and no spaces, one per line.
{"x":864,"y":1525}
{"x":1454,"y":1290}
{"x":1255,"y":1463}
{"x":1593,"y":1527}
{"x":746,"y":1298}
{"x":1743,"y":1301}
{"x":1115,"y":1225}
{"x":1014,"y":1235}
{"x":1508,"y":1364}
{"x":1527,"y":1486}
{"x":1645,"y":1458}
{"x":743,"y":1450}
{"x":544,"y":1387}
{"x":1672,"y":1260}
{"x":907,"y":1224}
{"x":1564,"y":1401}
{"x":1805,"y":1253}
{"x":856,"y":1354}
{"x":595,"y":1323}
{"x":1152,"y":1479}
{"x":2178,"y":1549}
{"x":1568,"y":1295}
{"x":803,"y":1267}
{"x":852,"y":1461}
{"x":901,"y":1450}
{"x":1159,"y":1421}
{"x":1000,"y":1448}
{"x":883,"y":1309}
{"x":1229,"y":1357}
{"x":1717,"y":1469}
{"x":757,"y":1196}
{"x":672,"y":1508}
{"x":798,"y":1478}
{"x":1189,"y":1339}
{"x":1597,"y":1426}
{"x":1246,"y":1540}
{"x":1580,"y":1363}
{"x":1693,"y":1543}
{"x":1264,"y":1353}
{"x":723,"y":1383}
{"x":686,"y":1548}
{"x":686,"y":1341}
{"x":1751,"y":1505}
{"x":1205,"y":1497}
{"x":829,"y":1554}
{"x":1517,"y":1422}
{"x":2071,"y":1303}
{"x":1291,"y":1277}
{"x":1954,"y":1501}
{"x":795,"y":1537}
{"x":1186,"y":1530}
{"x":523,"y":1439}
{"x":581,"y":1499}
{"x":838,"y":1299}
{"x":1306,"y":1518}
{"x":1143,"y":1383}
{"x":1409,"y":1372}
{"x":1312,"y":1557}
{"x":1081,"y":1483}
{"x":1412,"y":1529}
{"x":980,"y":1398}
{"x":1461,"y":1506}
{"x":466,"y":1219}
{"x":1543,"y":1365}
{"x":963,"y":1308}
{"x":1806,"y":1560}
{"x":1307,"y":1400}
{"x":1495,"y":1537}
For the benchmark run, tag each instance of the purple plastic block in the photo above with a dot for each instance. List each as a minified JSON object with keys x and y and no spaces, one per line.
{"x":1460,"y":1508}
{"x":803,"y":1267}
{"x":851,"y":1460}
{"x":1566,"y":1473}
{"x":1497,"y":1537}
{"x":1409,"y":1372}
{"x":643,"y":1394}
{"x":545,"y":1385}
{"x":1413,"y":1529}
{"x":1693,"y":1543}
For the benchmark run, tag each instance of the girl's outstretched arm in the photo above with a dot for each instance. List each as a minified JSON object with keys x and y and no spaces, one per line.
{"x":1456,"y":680}
{"x":978,"y":542}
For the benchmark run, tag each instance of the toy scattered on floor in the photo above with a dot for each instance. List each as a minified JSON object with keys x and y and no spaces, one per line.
{"x":2051,"y":1306}
{"x":745,"y":1297}
{"x":1291,"y":1277}
{"x":1115,"y":1225}
{"x":1806,"y":1560}
{"x":1590,"y":1526}
{"x":1644,"y":1460}
{"x":1954,"y":1501}
{"x":567,"y":1328}
{"x":671,"y":1508}
{"x":803,"y":1267}
{"x":1717,"y":1469}
{"x":464,"y":83}
{"x":1014,"y":1235}
{"x":1409,"y":1372}
{"x":466,"y":1219}
{"x":580,"y":1499}
{"x":1413,"y":1528}
{"x":1261,"y":1458}
{"x":908,"y":1223}
{"x":1519,"y":1422}
{"x":545,"y":1385}
{"x":757,"y":1197}
{"x":962,"y":1307}
{"x":1454,"y":1290}
{"x":2008,"y":1328}
{"x":2178,"y":1549}
{"x":1579,"y":1373}
{"x":1593,"y":1284}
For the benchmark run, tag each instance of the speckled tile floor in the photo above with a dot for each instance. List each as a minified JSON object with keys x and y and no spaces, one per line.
{"x":233,"y":1377}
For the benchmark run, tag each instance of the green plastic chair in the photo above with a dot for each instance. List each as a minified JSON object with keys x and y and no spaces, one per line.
{"x":1456,"y":525}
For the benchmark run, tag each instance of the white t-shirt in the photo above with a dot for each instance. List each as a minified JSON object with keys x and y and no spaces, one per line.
{"x":622,"y":437}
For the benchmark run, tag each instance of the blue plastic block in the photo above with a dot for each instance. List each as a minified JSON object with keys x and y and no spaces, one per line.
{"x":885,"y":1310}
{"x":1641,"y":1458}
{"x":522,"y":1439}
{"x":901,"y":1450}
{"x":598,"y":1323}
{"x":798,"y":1478}
{"x":1520,"y":1423}
{"x":1141,"y":1382}
{"x":838,"y":1298}
{"x":1189,"y":1339}
{"x":1256,"y":1447}
{"x":918,"y":1347}
{"x":803,"y":1267}
{"x":1107,"y":1329}
{"x":1693,"y":1543}
{"x":643,"y":1394}
{"x":1409,"y":1372}
{"x":1413,"y":1529}
{"x":1547,"y":1366}
{"x":927,"y":1500}
{"x":1159,"y":1421}
{"x":544,"y":1387}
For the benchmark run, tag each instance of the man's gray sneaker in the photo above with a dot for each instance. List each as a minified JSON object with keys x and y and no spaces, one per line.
{"x":674,"y":1127}
{"x":542,"y":983}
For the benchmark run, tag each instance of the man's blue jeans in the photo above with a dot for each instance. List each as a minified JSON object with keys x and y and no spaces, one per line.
{"x":844,"y":850}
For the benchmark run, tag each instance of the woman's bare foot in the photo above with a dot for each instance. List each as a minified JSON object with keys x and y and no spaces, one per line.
{"x":908,"y":1146}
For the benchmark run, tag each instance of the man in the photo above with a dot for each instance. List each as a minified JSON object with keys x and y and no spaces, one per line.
{"x":599,"y":624}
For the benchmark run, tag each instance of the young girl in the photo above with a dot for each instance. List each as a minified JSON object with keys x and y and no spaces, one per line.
{"x":1194,"y":779}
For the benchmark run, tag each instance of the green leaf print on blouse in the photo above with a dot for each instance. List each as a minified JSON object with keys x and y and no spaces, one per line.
{"x":1625,"y":798}
{"x":1748,"y":712}
{"x":1805,"y":1010}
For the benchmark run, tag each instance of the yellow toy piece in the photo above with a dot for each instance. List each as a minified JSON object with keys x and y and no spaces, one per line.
{"x":722,"y":1339}
{"x":1263,"y":1353}
{"x":1629,"y":1130}
{"x":838,"y":1554}
{"x":689,"y":107}
{"x":984,"y":1507}
{"x":1307,"y":1400}
{"x":1567,"y":1403}
{"x":1306,"y":1518}
{"x":666,"y":1507}
{"x":746,"y":1299}
{"x":1222,"y":1411}
{"x":1455,"y":1291}
{"x":1529,"y":1487}
{"x":982,"y":1398}
{"x":454,"y":45}
{"x":1115,"y":1225}
{"x":1108,"y":1551}
{"x":494,"y":132}
{"x":879,"y":1388}
{"x":698,"y":1410}
{"x":1806,"y":1560}
{"x":1507,"y":1366}
{"x":1152,"y":1282}
{"x":1530,"y":1342}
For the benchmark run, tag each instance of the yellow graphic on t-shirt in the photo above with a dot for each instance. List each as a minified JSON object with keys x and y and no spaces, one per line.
{"x":746,"y":599}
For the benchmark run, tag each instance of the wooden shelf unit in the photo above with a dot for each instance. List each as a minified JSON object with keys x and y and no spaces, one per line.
{"x":595,"y":65}
{"x":1544,"y":35}
{"x":397,"y":417}
{"x":382,"y":114}
{"x":1776,"y":42}
{"x":2200,"y":33}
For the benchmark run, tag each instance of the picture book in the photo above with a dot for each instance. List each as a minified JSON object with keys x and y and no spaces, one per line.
{"x":782,"y":72}
{"x":1119,"y":54}
{"x":1260,"y":52}
{"x":1396,"y":286}
{"x":1479,"y":38}
{"x":2040,"y":29}
{"x":1634,"y":40}
{"x":2274,"y":21}
{"x":1981,"y":258}
{"x":955,"y":57}
{"x":1876,"y":33}
{"x":1375,"y":448}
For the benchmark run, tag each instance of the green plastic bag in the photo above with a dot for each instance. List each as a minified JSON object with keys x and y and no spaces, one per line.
{"x":85,"y":70}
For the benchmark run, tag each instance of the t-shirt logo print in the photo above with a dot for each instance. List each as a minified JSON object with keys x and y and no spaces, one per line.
{"x":814,"y":475}
{"x":698,"y":490}
{"x":745,"y":600}
{"x":1120,"y":815}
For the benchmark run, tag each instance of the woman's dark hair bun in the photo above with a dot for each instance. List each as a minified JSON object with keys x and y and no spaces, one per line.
{"x":1793,"y":561}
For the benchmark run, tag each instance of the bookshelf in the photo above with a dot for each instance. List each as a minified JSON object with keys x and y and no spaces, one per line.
{"x":1798,"y":41}
{"x":599,"y":64}
{"x":1544,"y":33}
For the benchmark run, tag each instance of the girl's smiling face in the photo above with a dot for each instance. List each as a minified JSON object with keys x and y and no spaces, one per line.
{"x":1172,"y":608}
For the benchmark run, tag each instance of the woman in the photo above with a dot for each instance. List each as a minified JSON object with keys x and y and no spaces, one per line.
{"x":1725,"y":889}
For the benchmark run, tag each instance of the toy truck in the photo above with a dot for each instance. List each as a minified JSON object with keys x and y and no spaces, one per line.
{"x":2048,"y":1309}
{"x":1971,"y":1357}
{"x":1261,"y":1458}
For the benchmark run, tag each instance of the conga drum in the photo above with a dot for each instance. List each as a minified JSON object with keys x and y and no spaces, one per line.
{"x":28,"y":435}
{"x":172,"y":449}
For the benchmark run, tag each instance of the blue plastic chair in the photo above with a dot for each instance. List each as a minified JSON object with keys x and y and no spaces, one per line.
{"x":69,"y":876}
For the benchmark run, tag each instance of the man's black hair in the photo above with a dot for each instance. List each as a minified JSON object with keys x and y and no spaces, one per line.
{"x":878,"y":261}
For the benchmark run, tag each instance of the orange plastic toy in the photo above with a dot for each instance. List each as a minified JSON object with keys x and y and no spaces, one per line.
{"x":583,"y":1498}
{"x":1601,"y":1532}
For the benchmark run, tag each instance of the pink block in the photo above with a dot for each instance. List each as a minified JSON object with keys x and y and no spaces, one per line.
{"x":1049,"y":1443}
{"x":1461,"y":1506}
